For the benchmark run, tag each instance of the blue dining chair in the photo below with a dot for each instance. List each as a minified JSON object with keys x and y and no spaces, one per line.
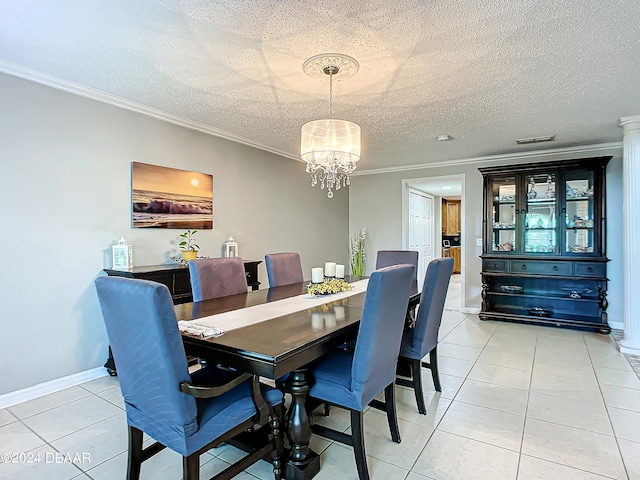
{"x":351,"y":379}
{"x":217,"y":277}
{"x":188,"y":413}
{"x":283,"y":268}
{"x":386,"y":258}
{"x":422,"y":339}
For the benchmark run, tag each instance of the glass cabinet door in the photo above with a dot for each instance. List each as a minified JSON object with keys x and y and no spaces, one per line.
{"x":503,"y":214}
{"x":540,"y":222}
{"x":579,"y":212}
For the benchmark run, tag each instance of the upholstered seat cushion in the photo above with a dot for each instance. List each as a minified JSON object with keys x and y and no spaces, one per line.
{"x":215,"y":416}
{"x":218,"y":415}
{"x":332,"y":380}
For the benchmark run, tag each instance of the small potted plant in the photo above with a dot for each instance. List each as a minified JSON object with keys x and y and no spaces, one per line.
{"x":188,"y":245}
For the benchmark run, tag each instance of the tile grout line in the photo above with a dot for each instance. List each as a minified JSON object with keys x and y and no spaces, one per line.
{"x":606,"y":407}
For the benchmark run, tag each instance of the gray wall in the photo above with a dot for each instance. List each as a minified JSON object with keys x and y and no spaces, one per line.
{"x":375,"y":201}
{"x":65,"y":191}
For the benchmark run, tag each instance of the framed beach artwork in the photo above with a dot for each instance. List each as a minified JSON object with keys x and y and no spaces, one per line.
{"x":165,"y":197}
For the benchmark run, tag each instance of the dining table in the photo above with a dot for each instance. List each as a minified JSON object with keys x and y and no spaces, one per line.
{"x":278,"y":342}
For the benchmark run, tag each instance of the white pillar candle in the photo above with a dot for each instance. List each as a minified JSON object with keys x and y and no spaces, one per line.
{"x":330,"y":269}
{"x":316,"y":275}
{"x":339,"y":271}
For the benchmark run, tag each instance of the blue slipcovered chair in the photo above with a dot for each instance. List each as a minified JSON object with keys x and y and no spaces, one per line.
{"x":283,"y":268}
{"x":386,"y":258}
{"x":189,"y":413}
{"x":217,"y":277}
{"x":352,"y":379}
{"x":422,"y":339}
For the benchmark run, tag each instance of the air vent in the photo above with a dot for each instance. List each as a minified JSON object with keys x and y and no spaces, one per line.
{"x":524,"y":141}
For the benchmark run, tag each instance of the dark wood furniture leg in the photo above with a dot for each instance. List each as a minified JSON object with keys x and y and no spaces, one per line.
{"x":303,"y":463}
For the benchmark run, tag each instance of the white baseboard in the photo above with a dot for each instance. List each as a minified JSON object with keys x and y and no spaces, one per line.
{"x":616,"y":325}
{"x":19,"y":396}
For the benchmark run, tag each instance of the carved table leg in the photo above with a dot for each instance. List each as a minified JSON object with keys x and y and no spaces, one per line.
{"x":303,"y":463}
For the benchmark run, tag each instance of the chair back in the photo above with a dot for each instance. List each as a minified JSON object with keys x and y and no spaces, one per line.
{"x":283,"y":268}
{"x":386,"y":258}
{"x":432,"y":299}
{"x":217,"y":277}
{"x":380,"y":332}
{"x":150,"y":357}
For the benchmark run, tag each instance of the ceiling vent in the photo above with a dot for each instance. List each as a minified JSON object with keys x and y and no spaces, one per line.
{"x":524,"y":141}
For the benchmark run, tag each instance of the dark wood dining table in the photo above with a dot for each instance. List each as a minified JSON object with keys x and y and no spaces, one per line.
{"x":282,"y":345}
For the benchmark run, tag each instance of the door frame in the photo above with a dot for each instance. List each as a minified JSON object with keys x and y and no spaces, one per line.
{"x":408,"y":183}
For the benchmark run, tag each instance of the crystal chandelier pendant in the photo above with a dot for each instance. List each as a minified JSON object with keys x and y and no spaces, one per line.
{"x":330,"y":147}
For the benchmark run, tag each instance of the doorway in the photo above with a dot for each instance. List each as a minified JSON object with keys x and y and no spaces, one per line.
{"x":424,"y":227}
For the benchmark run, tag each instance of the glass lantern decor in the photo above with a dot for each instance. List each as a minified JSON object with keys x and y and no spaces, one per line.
{"x":122,"y":255}
{"x":231,"y":248}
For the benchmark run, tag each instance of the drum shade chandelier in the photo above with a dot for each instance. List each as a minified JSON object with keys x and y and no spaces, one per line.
{"x":330,"y":147}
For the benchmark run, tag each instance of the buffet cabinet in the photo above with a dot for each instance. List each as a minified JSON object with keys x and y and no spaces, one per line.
{"x":544,"y":257}
{"x":176,"y":277}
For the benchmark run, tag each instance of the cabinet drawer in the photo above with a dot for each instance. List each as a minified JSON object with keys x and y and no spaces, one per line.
{"x":585,"y":269}
{"x":494,"y":265}
{"x":541,"y":268}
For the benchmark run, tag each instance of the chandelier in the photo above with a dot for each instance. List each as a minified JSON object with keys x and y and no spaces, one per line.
{"x":330,"y":147}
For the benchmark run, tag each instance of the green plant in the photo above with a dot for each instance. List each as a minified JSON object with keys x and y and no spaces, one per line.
{"x":189,"y":242}
{"x":357,"y":253}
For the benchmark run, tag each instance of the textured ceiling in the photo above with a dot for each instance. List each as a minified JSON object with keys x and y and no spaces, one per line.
{"x":483,"y":71}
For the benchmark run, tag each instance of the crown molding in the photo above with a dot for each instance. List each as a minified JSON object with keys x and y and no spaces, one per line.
{"x":91,"y":93}
{"x":36,"y":76}
{"x":598,"y":149}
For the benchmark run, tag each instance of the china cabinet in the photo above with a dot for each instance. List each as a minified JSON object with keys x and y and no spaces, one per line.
{"x":544,"y":258}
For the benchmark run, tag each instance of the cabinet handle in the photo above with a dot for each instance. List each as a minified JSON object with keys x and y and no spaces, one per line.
{"x":524,"y":267}
{"x":589,"y":269}
{"x":495,"y":265}
{"x":555,"y":268}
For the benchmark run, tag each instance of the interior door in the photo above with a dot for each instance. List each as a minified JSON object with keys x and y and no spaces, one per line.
{"x":421,"y":229}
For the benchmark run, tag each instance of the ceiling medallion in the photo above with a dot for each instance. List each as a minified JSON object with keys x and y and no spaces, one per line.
{"x":330,"y":147}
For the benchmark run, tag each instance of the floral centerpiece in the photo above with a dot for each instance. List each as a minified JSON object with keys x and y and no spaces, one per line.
{"x":356,"y":253}
{"x":329,"y":286}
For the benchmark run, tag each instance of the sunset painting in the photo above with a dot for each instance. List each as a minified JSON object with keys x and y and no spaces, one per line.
{"x":165,"y":197}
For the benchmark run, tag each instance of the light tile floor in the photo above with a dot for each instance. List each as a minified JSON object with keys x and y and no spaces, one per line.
{"x":518,"y":402}
{"x":454,"y":293}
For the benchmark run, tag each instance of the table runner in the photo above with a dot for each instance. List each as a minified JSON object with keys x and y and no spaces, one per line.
{"x":216,"y":325}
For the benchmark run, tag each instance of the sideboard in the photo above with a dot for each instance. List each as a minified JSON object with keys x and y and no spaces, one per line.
{"x":176,"y":277}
